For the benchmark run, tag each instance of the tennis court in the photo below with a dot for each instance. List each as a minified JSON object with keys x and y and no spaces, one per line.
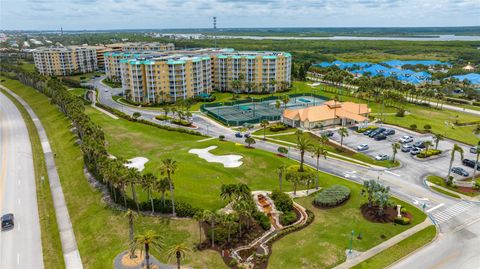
{"x":234,"y":114}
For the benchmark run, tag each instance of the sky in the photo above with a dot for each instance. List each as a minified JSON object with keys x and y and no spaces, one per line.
{"x":161,"y":14}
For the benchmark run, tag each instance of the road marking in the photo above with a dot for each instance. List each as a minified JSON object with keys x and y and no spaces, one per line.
{"x":4,"y":157}
{"x":18,"y":258}
{"x":18,"y":182}
{"x":436,"y":207}
{"x":451,"y":212}
{"x":392,"y":173}
{"x":19,"y":201}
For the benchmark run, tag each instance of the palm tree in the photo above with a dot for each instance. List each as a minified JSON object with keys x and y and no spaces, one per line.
{"x":342,"y":132}
{"x":149,"y":182}
{"x":130,"y":214}
{"x":281,"y":171}
{"x":318,"y":151}
{"x":437,"y":139}
{"x":264,"y":124}
{"x":427,"y":144}
{"x":456,"y":148}
{"x":476,"y":161}
{"x":303,"y":144}
{"x":285,"y":100}
{"x":178,"y":252}
{"x":395,"y":148}
{"x":168,"y":167}
{"x":250,"y":141}
{"x":211,"y":216}
{"x":200,"y":218}
{"x":162,"y":186}
{"x":145,"y":241}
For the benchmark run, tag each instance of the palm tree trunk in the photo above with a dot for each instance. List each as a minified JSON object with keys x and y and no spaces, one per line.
{"x":213,"y":233}
{"x":147,"y":256}
{"x":173,"y":199}
{"x":134,"y":196}
{"x":316,"y":182}
{"x":301,"y":160}
{"x":294,"y":188}
{"x":280,"y":176}
{"x":163,"y":198}
{"x":200,"y":231}
{"x":476,"y":166}
{"x":229,"y":231}
{"x":151,"y":200}
{"x":178,"y":259}
{"x":450,"y":166}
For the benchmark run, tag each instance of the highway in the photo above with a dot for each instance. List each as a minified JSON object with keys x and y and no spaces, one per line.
{"x":22,"y":246}
{"x":456,"y":220}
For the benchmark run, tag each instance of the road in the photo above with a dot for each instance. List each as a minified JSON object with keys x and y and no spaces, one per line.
{"x":22,"y":246}
{"x":455,"y":218}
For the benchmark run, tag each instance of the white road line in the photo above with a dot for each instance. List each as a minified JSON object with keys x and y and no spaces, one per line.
{"x":451,"y":212}
{"x":18,"y":182}
{"x":18,"y":227}
{"x":18,"y":258}
{"x":433,"y":208}
{"x":19,"y":201}
{"x":392,"y":173}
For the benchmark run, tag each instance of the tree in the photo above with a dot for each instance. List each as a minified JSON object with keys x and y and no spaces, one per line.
{"x":136,"y":115}
{"x":318,"y":151}
{"x":343,"y":132}
{"x":162,"y":186}
{"x":178,"y":252}
{"x":395,"y":148}
{"x":281,"y":171}
{"x":168,"y":167}
{"x":130,"y":214}
{"x":303,"y":144}
{"x":282,"y":150}
{"x":133,"y":178}
{"x":149,"y":182}
{"x":278,"y":104}
{"x":427,"y":127}
{"x":211,"y":217}
{"x":476,"y":160}
{"x":145,"y":241}
{"x":456,"y":148}
{"x":427,"y":144}
{"x":298,"y":177}
{"x":250,"y":141}
{"x":437,"y":138}
{"x":285,"y":100}
{"x":200,"y":218}
{"x":382,"y":200}
{"x":264,"y":124}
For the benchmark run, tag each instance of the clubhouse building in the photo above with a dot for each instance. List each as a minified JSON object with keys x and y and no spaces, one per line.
{"x":327,"y":114}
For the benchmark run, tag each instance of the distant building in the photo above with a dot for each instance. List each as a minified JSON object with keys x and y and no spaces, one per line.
{"x":141,"y":46}
{"x":64,"y":61}
{"x":328,"y":114}
{"x":468,"y":67}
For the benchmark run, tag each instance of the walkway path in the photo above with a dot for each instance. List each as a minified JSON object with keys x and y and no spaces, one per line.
{"x":93,"y":98}
{"x":71,"y":255}
{"x":385,"y":245}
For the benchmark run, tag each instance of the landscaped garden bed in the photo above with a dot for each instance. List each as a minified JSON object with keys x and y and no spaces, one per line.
{"x":332,"y":196}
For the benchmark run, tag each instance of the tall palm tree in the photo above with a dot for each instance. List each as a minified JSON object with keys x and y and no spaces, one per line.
{"x":343,"y":132}
{"x":162,"y":185}
{"x":149,"y":182}
{"x":200,"y":218}
{"x":133,"y":179}
{"x":285,"y":100}
{"x":437,"y":138}
{"x":395,"y":148}
{"x":303,"y":144}
{"x":168,"y":167}
{"x":281,"y":171}
{"x":476,"y":161}
{"x":427,"y":144}
{"x":145,"y":241}
{"x":178,"y":252}
{"x":456,"y":148}
{"x":130,"y":214}
{"x":318,"y":151}
{"x":264,"y":125}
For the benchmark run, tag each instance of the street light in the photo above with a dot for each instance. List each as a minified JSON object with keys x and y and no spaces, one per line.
{"x":351,"y":242}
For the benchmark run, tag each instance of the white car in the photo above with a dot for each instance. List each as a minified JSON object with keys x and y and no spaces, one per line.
{"x":362,"y":147}
{"x":382,"y":157}
{"x":406,"y":139}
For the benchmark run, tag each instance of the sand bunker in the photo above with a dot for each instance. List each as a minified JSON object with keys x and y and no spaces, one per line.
{"x":229,"y":161}
{"x":137,"y":162}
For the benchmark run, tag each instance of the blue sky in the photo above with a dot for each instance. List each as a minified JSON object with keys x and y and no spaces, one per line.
{"x":157,"y":14}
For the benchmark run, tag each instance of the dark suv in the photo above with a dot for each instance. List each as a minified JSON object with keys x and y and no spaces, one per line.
{"x":376,"y":132}
{"x":7,"y":222}
{"x":419,"y":144}
{"x":470,"y":163}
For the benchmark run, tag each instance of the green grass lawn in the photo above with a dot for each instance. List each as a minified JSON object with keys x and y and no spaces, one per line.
{"x":51,"y":245}
{"x":102,"y":233}
{"x":323,"y":243}
{"x":441,"y":182}
{"x":268,"y":132}
{"x":27,"y":66}
{"x":400,"y":250}
{"x":79,"y":92}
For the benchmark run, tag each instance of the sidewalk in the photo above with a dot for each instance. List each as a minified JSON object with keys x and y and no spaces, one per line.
{"x":71,"y":255}
{"x":385,"y":245}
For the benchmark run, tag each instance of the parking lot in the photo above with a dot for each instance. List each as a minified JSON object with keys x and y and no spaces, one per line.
{"x":438,"y":166}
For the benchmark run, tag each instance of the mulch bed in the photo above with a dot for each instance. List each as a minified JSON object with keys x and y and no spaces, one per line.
{"x":280,"y":155}
{"x":371,"y":214}
{"x":467,"y":189}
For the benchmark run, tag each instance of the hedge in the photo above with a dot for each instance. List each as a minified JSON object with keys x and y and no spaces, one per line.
{"x":364,"y":129}
{"x":332,"y":196}
{"x":402,"y":221}
{"x":277,"y":127}
{"x":428,"y":153}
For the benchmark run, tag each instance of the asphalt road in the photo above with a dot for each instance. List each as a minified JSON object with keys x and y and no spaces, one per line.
{"x":22,"y":246}
{"x":455,"y":218}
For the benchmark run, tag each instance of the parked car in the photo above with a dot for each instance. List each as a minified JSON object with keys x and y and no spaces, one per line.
{"x":362,"y":147}
{"x":247,"y":135}
{"x":406,"y":139}
{"x":328,"y":134}
{"x":470,"y":163}
{"x":376,"y":132}
{"x":474,"y":149}
{"x":415,"y":150}
{"x":239,"y":135}
{"x":419,"y":144}
{"x":367,"y":132}
{"x":460,"y":171}
{"x":406,"y":147}
{"x":379,"y":137}
{"x":7,"y":222}
{"x":389,"y":132}
{"x":382,"y":157}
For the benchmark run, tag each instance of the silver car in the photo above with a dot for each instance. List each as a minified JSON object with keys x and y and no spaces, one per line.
{"x":362,"y":147}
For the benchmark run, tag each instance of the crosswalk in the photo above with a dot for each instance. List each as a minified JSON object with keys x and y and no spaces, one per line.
{"x":452,"y":211}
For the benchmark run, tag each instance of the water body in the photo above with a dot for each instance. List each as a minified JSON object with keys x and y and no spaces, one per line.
{"x":422,"y":38}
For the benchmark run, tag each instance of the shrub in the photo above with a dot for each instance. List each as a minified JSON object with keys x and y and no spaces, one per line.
{"x":282,"y":150}
{"x":181,"y":122}
{"x":428,"y":153}
{"x":402,"y":221}
{"x":162,"y":117}
{"x":403,"y":210}
{"x":413,"y":126}
{"x":288,"y":218}
{"x":262,"y":220}
{"x":332,"y":196}
{"x":221,"y":137}
{"x":476,"y":103}
{"x":427,"y":127}
{"x":136,"y":115}
{"x":400,"y":112}
{"x":280,"y":126}
{"x":282,"y":201}
{"x":364,"y":129}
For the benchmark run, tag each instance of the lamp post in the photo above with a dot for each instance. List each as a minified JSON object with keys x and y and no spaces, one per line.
{"x":351,"y":242}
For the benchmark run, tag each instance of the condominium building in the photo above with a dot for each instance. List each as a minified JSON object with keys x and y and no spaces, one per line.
{"x":141,"y":46}
{"x":63,"y":61}
{"x":156,"y":77}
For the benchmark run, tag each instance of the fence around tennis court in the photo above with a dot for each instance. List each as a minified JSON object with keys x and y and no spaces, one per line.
{"x":241,"y":119}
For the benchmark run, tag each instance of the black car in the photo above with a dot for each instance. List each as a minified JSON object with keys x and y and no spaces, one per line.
{"x":328,"y":134}
{"x":239,"y":135}
{"x":367,"y":132}
{"x":460,"y":171}
{"x":380,"y":137}
{"x":389,"y":132}
{"x":376,"y":132}
{"x":419,"y":144}
{"x":7,"y":222}
{"x":470,"y":163}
